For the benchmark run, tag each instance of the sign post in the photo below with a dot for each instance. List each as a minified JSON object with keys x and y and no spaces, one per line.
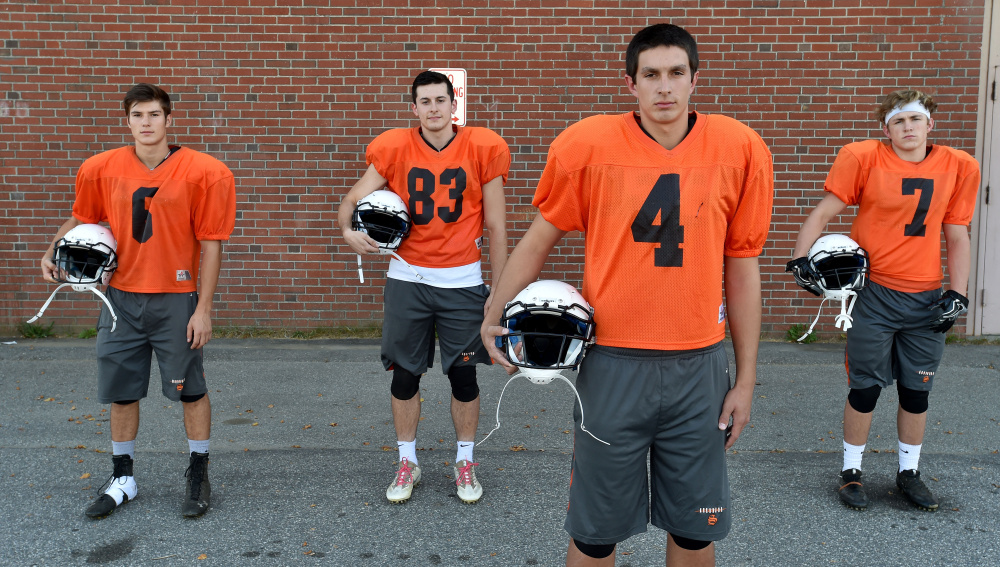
{"x":458,"y":81}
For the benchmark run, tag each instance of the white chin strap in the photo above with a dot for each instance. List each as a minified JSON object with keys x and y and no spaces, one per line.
{"x":418,"y":275}
{"x":541,"y":381}
{"x":114,"y":318}
{"x":844,"y":320}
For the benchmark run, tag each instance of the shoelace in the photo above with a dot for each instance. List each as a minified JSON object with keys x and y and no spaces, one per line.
{"x":405,"y":474}
{"x":194,"y":474}
{"x":465,"y":474}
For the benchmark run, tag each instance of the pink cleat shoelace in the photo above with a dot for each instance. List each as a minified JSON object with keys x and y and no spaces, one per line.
{"x":465,"y":473}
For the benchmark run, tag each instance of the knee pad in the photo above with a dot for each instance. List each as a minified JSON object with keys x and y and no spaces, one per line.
{"x":404,"y":384}
{"x":191,"y":399}
{"x":864,"y":400}
{"x":463,"y":383}
{"x":912,"y":401}
{"x":595,"y":551}
{"x":690,"y":544}
{"x":126,"y":402}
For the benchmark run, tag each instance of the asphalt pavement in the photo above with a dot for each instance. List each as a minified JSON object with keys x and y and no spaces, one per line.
{"x":303,"y":449}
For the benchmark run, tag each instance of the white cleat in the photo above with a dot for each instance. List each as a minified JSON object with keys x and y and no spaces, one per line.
{"x":401,"y":488}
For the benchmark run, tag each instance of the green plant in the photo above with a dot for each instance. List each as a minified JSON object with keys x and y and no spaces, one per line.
{"x":88,"y":333}
{"x":33,"y":331}
{"x":795,"y":331}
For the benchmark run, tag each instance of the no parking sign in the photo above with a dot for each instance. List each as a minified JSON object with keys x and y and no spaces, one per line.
{"x":458,"y":80}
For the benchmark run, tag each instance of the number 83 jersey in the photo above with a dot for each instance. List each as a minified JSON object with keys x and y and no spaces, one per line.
{"x":901,"y":207}
{"x":658,"y":222}
{"x":157,"y":216}
{"x":443,"y":190}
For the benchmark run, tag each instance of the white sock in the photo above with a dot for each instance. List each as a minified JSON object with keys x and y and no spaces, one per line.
{"x":200,"y":446}
{"x":465,"y":451}
{"x":852,"y":456}
{"x":123,"y":448}
{"x":909,"y":456}
{"x":408,"y":451}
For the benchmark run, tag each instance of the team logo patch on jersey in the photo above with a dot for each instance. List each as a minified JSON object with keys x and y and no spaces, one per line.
{"x":479,"y":243}
{"x":183,"y":276}
{"x":722,"y":312}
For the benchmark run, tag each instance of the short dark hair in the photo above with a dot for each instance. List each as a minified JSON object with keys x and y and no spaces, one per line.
{"x":657,"y":35}
{"x":431,"y":78}
{"x":145,"y":92}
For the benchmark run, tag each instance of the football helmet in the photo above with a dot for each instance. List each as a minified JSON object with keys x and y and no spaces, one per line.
{"x":383,"y":216}
{"x":550,"y":326}
{"x":85,"y":258}
{"x":839,"y":269}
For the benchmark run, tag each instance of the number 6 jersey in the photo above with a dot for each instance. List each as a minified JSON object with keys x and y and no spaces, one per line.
{"x":159,"y":215}
{"x":901,"y":207}
{"x":658,"y":222}
{"x":443,"y":190}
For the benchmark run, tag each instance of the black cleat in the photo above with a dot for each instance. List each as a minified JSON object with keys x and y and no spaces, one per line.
{"x":121,"y":484}
{"x":915,"y":490}
{"x":199,"y":491}
{"x":852,"y":492}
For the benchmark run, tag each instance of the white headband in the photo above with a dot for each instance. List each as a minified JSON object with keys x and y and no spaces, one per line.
{"x":914,"y":106}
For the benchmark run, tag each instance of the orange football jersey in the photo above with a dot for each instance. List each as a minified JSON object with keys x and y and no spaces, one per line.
{"x":157,"y":216}
{"x":442,"y":190}
{"x":658,"y":222}
{"x":901,"y":207}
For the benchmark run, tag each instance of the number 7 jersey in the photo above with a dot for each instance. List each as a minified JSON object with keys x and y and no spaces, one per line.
{"x":443,"y":190}
{"x":658,"y":222}
{"x":901,"y":207}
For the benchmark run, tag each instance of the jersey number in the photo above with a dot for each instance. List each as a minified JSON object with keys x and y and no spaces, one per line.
{"x":664,"y":199}
{"x":142,"y":221}
{"x":926,"y":188}
{"x":421,"y":185}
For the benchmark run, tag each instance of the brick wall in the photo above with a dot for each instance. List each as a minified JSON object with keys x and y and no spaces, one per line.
{"x":288,"y":96}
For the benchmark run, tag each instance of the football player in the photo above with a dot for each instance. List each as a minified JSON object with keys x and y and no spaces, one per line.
{"x":451,"y":178}
{"x":671,"y":203}
{"x":169,"y":207}
{"x":907,"y":191}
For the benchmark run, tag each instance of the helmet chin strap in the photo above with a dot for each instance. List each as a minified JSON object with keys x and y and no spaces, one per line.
{"x":418,"y":275}
{"x":843,"y":320}
{"x":114,"y":318}
{"x":541,"y":381}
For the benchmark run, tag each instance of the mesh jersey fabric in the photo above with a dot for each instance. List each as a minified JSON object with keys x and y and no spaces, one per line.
{"x":443,"y":190}
{"x":901,"y":207}
{"x":658,"y":222}
{"x":157,"y":216}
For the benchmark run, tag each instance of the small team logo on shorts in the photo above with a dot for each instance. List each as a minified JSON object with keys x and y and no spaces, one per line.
{"x":927,"y":374}
{"x":466,"y":356}
{"x":180,"y":384}
{"x":712,"y":518}
{"x":183,"y":276}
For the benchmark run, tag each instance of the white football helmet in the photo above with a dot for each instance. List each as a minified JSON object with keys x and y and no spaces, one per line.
{"x":85,"y":258}
{"x":550,"y":325}
{"x":383,"y":216}
{"x":840,"y":269}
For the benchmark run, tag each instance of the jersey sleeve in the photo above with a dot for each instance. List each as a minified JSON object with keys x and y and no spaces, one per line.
{"x":497,"y":162}
{"x":215,"y":213}
{"x":751,"y":222}
{"x":962,"y":204}
{"x":846,"y":177}
{"x":559,"y":196}
{"x":88,"y":206}
{"x":379,"y":154}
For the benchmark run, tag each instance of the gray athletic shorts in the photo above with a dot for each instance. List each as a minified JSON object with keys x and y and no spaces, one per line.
{"x":664,"y":405}
{"x":890,"y":339}
{"x":414,"y":311}
{"x":147,"y":323}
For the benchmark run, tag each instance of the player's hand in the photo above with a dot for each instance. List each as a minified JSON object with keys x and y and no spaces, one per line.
{"x":199,"y":330}
{"x":804,"y":276}
{"x":736,"y":409}
{"x":953,"y":305}
{"x":490,"y":334}
{"x":360,"y":242}
{"x":49,"y":268}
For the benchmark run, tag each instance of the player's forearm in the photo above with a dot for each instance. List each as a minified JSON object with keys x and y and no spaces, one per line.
{"x":743,"y":306}
{"x":816,"y":222}
{"x":498,"y":253}
{"x":524,"y":265}
{"x":959,"y":257}
{"x":211,"y":265}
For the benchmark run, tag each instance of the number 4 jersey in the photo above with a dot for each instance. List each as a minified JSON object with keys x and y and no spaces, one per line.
{"x":159,"y":215}
{"x":443,"y":190}
{"x":901,"y":207}
{"x":658,"y":222}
